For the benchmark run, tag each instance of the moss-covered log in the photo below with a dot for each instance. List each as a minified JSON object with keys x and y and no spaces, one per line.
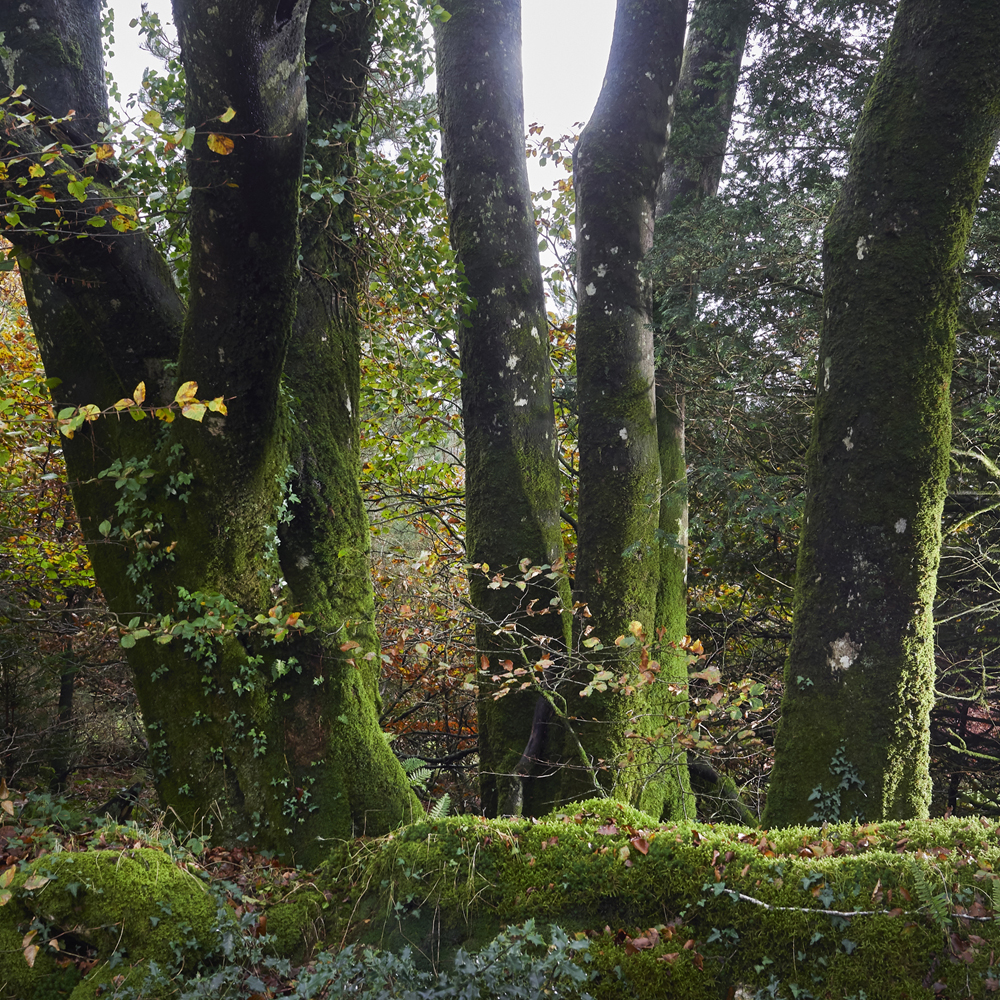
{"x":616,"y":168}
{"x":894,"y":911}
{"x":278,"y":741}
{"x":860,"y":676}
{"x":512,"y":475}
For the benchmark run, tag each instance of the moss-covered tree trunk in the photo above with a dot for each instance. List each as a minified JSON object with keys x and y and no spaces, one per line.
{"x":278,"y":741}
{"x":617,"y":166}
{"x":859,"y":681}
{"x":703,"y":113}
{"x":512,"y":473}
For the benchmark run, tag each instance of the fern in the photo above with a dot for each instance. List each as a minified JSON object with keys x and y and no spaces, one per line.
{"x":440,"y":808}
{"x":937,"y":904}
{"x":417,"y":774}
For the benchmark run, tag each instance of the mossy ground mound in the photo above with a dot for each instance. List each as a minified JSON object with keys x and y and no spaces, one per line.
{"x":884,"y":911}
{"x":123,"y":908}
{"x":879,"y":911}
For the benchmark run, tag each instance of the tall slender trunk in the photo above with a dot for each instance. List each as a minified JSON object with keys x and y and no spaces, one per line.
{"x":512,"y":473}
{"x":859,"y":682}
{"x":703,"y":113}
{"x":617,"y":165}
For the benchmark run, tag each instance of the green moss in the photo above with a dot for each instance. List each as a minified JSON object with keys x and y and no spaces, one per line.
{"x":296,"y":924}
{"x":438,"y":885}
{"x":137,"y":906}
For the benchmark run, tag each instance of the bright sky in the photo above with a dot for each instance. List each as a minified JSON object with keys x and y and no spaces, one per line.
{"x":566,"y":44}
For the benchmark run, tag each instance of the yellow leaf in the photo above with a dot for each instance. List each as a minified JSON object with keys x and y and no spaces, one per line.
{"x":153,"y":118}
{"x":104,"y":151}
{"x":90,"y":412}
{"x":124,"y":404}
{"x":186,"y":393}
{"x":140,"y":394}
{"x":194,"y":411}
{"x":227,"y":116}
{"x":218,"y":406}
{"x":220,"y":144}
{"x":164,"y":413}
{"x":36,"y":170}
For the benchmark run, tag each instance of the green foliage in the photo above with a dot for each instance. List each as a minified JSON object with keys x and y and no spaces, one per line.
{"x":519,"y":964}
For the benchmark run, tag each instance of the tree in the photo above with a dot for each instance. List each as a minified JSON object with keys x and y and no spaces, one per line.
{"x":512,"y":479}
{"x":217,"y":538}
{"x":617,"y":166}
{"x":860,"y":676}
{"x":507,"y":404}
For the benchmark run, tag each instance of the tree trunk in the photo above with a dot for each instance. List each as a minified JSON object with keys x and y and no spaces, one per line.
{"x":512,"y":474}
{"x":706,"y":96}
{"x":860,"y":676}
{"x":617,"y":165}
{"x":278,"y":742}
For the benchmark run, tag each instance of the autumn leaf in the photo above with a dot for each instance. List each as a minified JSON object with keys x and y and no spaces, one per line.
{"x":30,"y":950}
{"x":104,"y":151}
{"x":227,"y":116}
{"x":153,"y":118}
{"x":640,"y":844}
{"x":194,"y":411}
{"x":220,"y":144}
{"x":186,"y":393}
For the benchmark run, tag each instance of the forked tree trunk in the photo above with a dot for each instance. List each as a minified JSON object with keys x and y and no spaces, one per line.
{"x":859,"y":683}
{"x":279,"y":742}
{"x":512,"y":478}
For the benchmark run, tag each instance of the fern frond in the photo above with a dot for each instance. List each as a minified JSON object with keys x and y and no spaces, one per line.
{"x":441,"y":808}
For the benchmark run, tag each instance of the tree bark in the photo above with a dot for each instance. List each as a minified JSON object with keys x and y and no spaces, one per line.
{"x":278,"y":742}
{"x":512,"y":473}
{"x":859,"y":682}
{"x":617,"y":165}
{"x":706,"y":96}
